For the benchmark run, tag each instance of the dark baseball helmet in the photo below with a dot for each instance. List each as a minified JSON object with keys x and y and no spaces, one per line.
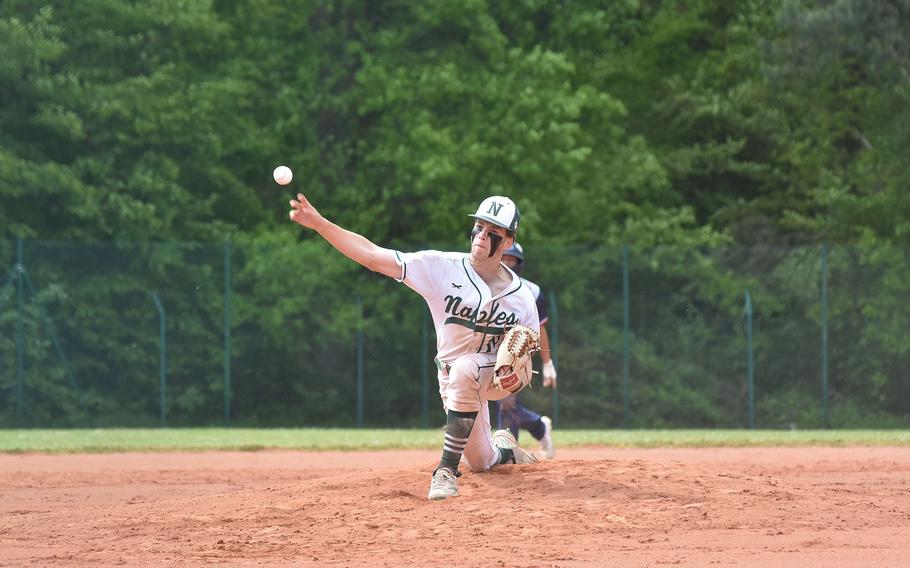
{"x":516,"y":251}
{"x":519,"y":253}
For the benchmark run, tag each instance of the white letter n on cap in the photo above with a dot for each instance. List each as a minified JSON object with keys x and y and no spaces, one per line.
{"x":494,"y":208}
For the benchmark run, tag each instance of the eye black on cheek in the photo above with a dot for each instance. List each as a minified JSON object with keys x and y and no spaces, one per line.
{"x":495,"y":241}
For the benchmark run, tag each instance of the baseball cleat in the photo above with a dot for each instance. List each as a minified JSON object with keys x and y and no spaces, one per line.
{"x":443,"y":485}
{"x":547,"y":449}
{"x":504,"y":440}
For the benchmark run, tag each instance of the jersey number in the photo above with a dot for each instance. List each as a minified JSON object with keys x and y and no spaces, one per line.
{"x":493,"y":343}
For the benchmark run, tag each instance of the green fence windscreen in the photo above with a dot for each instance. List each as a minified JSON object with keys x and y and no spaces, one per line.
{"x":277,"y":334}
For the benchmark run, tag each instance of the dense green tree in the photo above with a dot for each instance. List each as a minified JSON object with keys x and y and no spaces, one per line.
{"x":123,"y":122}
{"x":841,"y":72}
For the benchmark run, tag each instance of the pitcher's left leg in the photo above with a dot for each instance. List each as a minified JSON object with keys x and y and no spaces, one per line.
{"x":460,"y":393}
{"x":480,"y":454}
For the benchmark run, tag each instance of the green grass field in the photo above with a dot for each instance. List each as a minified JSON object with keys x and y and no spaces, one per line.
{"x":248,"y":439}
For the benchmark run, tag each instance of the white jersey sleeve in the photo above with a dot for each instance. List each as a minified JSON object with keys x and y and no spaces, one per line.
{"x":422,"y":271}
{"x":532,"y":317}
{"x":540,"y":300}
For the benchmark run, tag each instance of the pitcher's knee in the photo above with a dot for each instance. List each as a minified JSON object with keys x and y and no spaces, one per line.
{"x":478,"y":461}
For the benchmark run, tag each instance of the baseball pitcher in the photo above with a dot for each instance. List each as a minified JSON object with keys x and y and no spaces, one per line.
{"x":486,"y":325}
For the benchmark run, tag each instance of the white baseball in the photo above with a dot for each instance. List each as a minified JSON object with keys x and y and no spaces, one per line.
{"x":283,"y":175}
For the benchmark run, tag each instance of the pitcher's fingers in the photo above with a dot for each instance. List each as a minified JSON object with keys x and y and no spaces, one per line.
{"x":302,"y":199}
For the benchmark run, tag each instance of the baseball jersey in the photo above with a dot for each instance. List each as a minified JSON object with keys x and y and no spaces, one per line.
{"x":540,"y":299}
{"x":466,"y":316}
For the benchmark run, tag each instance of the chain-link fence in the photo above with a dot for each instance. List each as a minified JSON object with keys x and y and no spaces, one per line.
{"x":271,"y":334}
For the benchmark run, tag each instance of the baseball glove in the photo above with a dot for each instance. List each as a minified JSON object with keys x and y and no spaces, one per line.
{"x":513,"y":359}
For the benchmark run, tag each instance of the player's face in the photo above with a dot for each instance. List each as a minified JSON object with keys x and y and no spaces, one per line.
{"x":488,"y":239}
{"x":510,"y":261}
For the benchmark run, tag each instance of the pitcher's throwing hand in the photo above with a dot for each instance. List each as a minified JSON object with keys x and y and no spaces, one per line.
{"x":304,"y":213}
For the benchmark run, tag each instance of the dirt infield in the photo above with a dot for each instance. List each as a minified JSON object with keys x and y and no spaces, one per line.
{"x":798,"y":507}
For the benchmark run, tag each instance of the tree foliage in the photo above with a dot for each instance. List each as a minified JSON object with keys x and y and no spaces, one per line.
{"x":679,"y":128}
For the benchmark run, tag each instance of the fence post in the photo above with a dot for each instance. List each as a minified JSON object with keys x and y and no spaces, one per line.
{"x":625,"y":336}
{"x":824,"y":326}
{"x":227,"y":333}
{"x":52,"y":331}
{"x":553,"y":334}
{"x":750,"y":375}
{"x":162,"y":357}
{"x":20,"y":336}
{"x":360,"y":363}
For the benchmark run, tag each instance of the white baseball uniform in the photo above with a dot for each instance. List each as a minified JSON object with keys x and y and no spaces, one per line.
{"x":470,"y":322}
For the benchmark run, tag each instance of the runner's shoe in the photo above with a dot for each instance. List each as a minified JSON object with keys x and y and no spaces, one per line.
{"x":547,"y":449}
